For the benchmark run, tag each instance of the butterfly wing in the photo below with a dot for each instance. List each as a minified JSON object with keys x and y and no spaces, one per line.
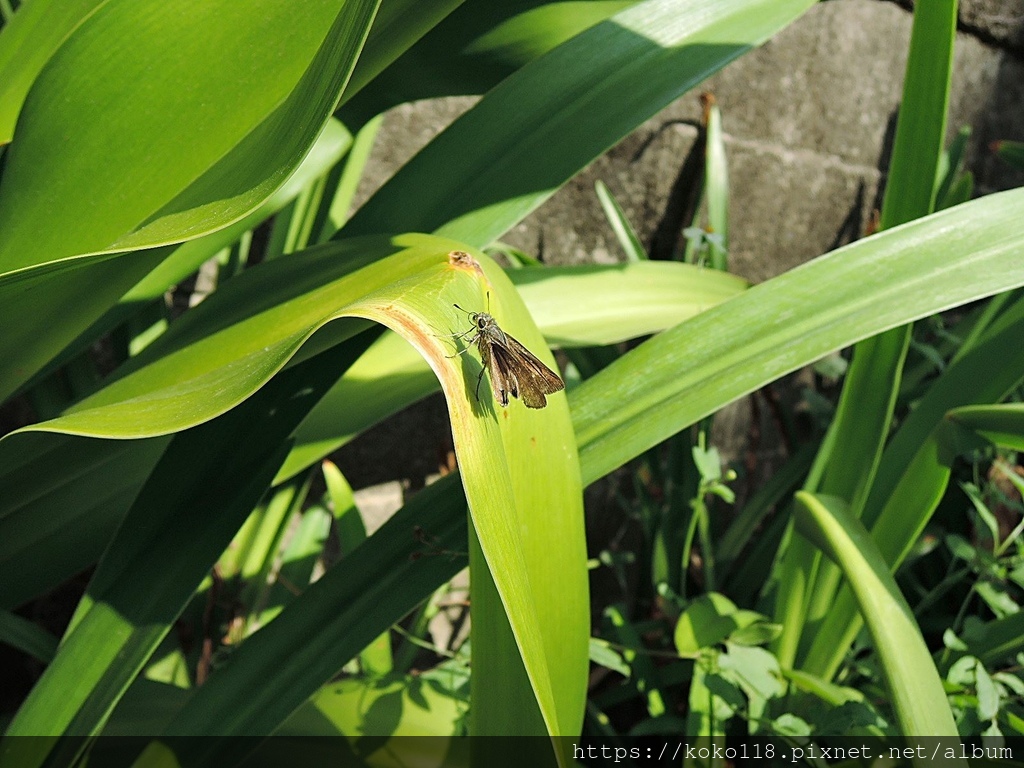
{"x":532,"y":378}
{"x":503,"y":383}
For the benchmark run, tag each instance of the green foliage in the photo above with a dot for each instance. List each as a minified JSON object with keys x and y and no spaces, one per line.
{"x":146,"y":141}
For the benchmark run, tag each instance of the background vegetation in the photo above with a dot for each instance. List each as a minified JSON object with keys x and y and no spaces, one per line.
{"x":172,"y":457}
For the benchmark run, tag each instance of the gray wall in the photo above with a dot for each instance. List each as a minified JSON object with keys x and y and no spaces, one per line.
{"x":808,"y":119}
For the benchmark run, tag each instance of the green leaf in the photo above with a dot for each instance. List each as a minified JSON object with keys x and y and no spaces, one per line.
{"x":716,"y":185}
{"x":63,"y":497}
{"x":151,"y":194}
{"x":397,"y":26}
{"x":915,"y":688}
{"x":473,"y":49}
{"x":896,"y":276}
{"x":350,"y":526}
{"x":548,"y":120}
{"x":950,"y":165}
{"x":26,"y":44}
{"x":624,"y":232}
{"x":603,"y":654}
{"x":207,"y":481}
{"x":921,"y":128}
{"x":283,"y":664}
{"x":1003,"y":425}
{"x":276,"y":79}
{"x":706,"y":622}
{"x":27,"y":636}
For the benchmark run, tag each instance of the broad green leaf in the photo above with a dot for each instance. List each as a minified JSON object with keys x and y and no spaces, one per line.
{"x":687,"y":372}
{"x":63,"y":496}
{"x":270,"y":75}
{"x":26,"y":44}
{"x":549,"y":119}
{"x":257,"y":322}
{"x":915,"y":688}
{"x":536,"y":555}
{"x":224,"y":349}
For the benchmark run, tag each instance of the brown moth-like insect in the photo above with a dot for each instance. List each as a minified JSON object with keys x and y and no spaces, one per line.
{"x":514,"y":370}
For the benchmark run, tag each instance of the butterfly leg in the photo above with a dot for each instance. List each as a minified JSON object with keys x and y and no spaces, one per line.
{"x":478,"y":380}
{"x":469,"y":345}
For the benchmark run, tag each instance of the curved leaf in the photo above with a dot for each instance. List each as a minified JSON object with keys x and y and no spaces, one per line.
{"x":949,"y":258}
{"x":572,"y":306}
{"x":519,"y":470}
{"x":1003,"y":425}
{"x":269,"y":83}
{"x":26,"y":44}
{"x":263,"y":100}
{"x":915,"y":687}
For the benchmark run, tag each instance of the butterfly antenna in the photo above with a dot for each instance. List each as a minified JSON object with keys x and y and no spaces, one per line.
{"x":461,"y":309}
